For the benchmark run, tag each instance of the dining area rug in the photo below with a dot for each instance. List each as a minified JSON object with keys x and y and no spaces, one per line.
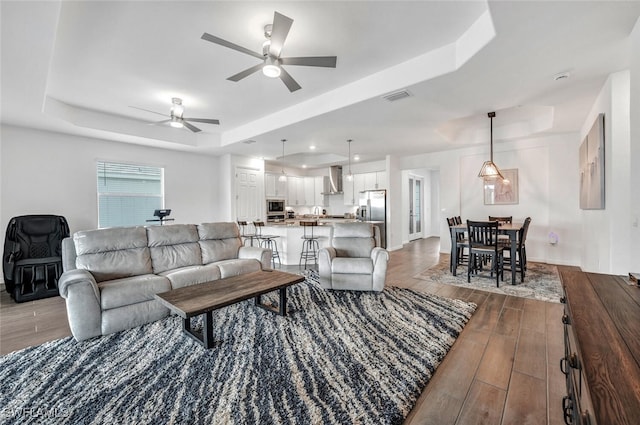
{"x":338,"y":357}
{"x":541,"y":281}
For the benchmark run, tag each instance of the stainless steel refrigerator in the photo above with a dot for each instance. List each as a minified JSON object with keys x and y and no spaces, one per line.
{"x":373,"y":209}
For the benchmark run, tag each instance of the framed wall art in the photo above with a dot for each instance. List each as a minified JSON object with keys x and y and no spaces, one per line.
{"x":502,"y":191}
{"x":591,"y":156}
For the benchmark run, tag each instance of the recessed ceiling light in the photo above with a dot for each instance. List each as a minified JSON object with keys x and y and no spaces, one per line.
{"x":304,"y":165}
{"x":356,"y":157}
{"x":312,"y":147}
{"x":561,"y":76}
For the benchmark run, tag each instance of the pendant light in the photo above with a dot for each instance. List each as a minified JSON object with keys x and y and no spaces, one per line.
{"x":283,"y":176}
{"x":489,"y":168}
{"x":349,"y":175}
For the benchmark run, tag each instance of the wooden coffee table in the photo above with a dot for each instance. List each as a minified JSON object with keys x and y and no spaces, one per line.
{"x":205,"y":297}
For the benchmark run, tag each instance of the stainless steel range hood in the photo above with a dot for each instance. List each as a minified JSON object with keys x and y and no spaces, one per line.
{"x":333,"y":183}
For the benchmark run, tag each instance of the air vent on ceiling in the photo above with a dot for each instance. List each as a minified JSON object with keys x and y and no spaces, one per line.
{"x":401,"y":94}
{"x":248,"y":142}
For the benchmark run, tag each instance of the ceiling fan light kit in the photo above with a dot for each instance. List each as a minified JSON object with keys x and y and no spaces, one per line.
{"x":489,"y":168}
{"x":271,"y":68}
{"x":276,"y":34}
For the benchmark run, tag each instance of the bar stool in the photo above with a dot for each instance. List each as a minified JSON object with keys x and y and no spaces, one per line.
{"x":310,"y":246}
{"x":243,"y":233}
{"x":267,"y":241}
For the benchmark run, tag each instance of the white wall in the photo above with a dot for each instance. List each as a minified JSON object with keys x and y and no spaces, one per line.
{"x":634,"y":196}
{"x":547,"y":171}
{"x":225,"y":179}
{"x":50,"y":173}
{"x":606,"y":232}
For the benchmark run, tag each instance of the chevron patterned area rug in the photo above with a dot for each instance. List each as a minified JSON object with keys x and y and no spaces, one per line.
{"x":337,"y":358}
{"x":541,"y":282}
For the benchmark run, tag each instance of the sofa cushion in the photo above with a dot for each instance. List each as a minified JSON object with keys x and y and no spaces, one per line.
{"x":352,"y":230}
{"x":173,"y":246}
{"x":113,"y":253}
{"x":219,"y":241}
{"x":222,"y":230}
{"x":131,"y":290}
{"x":219,"y":250}
{"x":230,"y":268}
{"x":353,"y":247}
{"x":352,"y":265}
{"x":192,"y":275}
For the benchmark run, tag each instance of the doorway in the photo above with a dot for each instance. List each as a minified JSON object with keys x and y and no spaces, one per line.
{"x":416,"y":187}
{"x":249,"y":203}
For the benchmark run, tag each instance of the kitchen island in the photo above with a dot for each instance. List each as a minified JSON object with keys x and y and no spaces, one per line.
{"x":290,"y":234}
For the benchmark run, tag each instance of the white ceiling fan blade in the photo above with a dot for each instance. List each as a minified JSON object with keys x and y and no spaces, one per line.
{"x":146,"y":110}
{"x":279,"y":32}
{"x":230,"y":45}
{"x":324,"y":61}
{"x":191,"y":127}
{"x":203,"y":120}
{"x":243,"y":74}
{"x":288,"y":81}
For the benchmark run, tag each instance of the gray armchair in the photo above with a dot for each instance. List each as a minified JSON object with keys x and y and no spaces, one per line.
{"x":354,"y":261}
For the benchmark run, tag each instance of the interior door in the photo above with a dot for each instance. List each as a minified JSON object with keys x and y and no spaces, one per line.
{"x":249,"y":203}
{"x":415,"y":207}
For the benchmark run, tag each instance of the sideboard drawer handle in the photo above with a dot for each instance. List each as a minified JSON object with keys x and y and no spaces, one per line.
{"x":563,"y":366}
{"x":567,"y":410}
{"x":574,"y":361}
{"x":565,"y":319}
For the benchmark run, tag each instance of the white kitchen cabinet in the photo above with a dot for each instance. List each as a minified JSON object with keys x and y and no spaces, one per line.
{"x":350,"y":190}
{"x":309,"y":191}
{"x":273,"y":187}
{"x":381,"y":180}
{"x":318,"y":187}
{"x":370,"y":181}
{"x":296,"y":193}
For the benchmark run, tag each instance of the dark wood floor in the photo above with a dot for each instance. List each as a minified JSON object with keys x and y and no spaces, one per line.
{"x":503,"y":369}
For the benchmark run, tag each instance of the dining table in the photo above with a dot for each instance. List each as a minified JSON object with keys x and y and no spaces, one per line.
{"x":509,"y":229}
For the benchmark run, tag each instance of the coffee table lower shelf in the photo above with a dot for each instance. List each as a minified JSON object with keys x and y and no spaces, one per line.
{"x":204,"y":298}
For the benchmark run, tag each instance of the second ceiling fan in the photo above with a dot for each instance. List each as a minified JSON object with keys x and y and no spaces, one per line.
{"x":271,"y":66}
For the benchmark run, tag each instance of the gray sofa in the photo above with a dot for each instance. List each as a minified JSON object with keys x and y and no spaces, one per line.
{"x":111,"y":275}
{"x":355,"y":260}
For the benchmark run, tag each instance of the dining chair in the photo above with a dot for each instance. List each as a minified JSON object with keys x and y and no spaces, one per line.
{"x":521,"y":251}
{"x":502,"y":220}
{"x":462,"y":244}
{"x":483,"y":243}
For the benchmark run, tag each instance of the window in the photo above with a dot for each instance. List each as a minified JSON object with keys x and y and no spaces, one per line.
{"x":128,"y":194}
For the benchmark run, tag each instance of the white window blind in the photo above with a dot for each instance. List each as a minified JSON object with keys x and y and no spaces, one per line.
{"x":128,"y":194}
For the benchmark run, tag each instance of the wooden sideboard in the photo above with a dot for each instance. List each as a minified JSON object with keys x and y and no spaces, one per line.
{"x":602,"y":349}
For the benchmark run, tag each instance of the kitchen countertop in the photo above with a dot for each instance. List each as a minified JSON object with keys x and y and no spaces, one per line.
{"x":321,"y":221}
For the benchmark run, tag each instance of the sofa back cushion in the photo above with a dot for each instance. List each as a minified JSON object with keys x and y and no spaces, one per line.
{"x":173,"y":246}
{"x":113,"y":253}
{"x":353,"y":239}
{"x":219,"y":241}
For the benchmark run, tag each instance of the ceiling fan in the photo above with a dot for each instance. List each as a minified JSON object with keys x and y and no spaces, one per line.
{"x":271,"y":65}
{"x":177,"y":120}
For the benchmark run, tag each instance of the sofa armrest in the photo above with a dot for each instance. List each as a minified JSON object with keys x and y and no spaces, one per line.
{"x":68,"y":254}
{"x":253,"y":252}
{"x":380,"y":258}
{"x":82,"y":296}
{"x":325,"y":258}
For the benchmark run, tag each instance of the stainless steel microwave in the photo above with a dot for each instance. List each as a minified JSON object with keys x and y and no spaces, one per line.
{"x":275,"y":206}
